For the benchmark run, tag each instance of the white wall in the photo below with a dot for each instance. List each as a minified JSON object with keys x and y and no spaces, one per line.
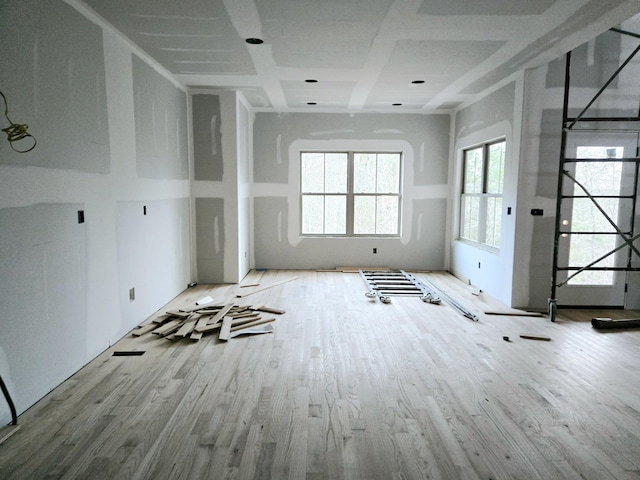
{"x":592,"y":65}
{"x":493,"y":117}
{"x":278,"y":141}
{"x":65,"y":285}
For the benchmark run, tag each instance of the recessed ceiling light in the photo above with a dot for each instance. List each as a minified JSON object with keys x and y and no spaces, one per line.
{"x":311,"y":80}
{"x":311,"y":103}
{"x":396,"y":104}
{"x":254,"y":41}
{"x":416,"y":82}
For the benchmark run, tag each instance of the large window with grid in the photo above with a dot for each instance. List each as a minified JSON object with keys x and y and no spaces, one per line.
{"x":481,"y":200}
{"x":350,"y":193}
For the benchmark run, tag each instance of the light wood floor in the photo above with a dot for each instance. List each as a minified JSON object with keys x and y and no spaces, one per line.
{"x":347,"y":387}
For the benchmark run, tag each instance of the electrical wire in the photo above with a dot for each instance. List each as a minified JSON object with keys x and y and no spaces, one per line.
{"x":15,"y":131}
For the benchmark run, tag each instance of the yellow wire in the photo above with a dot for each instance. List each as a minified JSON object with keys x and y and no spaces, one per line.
{"x":16,"y":131}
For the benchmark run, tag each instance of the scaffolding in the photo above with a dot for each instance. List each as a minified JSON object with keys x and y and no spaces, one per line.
{"x":569,"y":189}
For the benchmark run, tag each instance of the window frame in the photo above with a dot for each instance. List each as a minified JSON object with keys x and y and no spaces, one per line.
{"x":484,"y":197}
{"x":351,"y":195}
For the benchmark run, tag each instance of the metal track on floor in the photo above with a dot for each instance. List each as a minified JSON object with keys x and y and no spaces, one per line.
{"x":385,"y":284}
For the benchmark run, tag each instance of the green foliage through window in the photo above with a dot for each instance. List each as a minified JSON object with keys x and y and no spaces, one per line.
{"x":481,"y":200}
{"x":350,"y":193}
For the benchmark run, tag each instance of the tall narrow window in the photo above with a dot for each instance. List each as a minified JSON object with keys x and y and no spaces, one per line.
{"x":350,"y":193}
{"x":481,"y":201}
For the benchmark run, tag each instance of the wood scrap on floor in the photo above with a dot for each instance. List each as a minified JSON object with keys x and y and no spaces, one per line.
{"x":531,"y":336}
{"x":193,"y":322}
{"x":513,"y":313}
{"x":240,"y":295}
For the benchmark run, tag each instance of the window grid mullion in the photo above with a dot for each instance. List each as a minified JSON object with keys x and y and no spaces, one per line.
{"x":350,"y":196}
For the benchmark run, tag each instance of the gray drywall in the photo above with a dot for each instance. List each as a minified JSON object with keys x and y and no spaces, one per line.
{"x":207,"y":142}
{"x":43,"y":296}
{"x":210,"y":239}
{"x":153,"y":254}
{"x":161,"y":128}
{"x":278,"y":139}
{"x":491,"y":109}
{"x":274,"y":133}
{"x":591,"y":65}
{"x":64,"y":288}
{"x":492,"y":117}
{"x":52,"y":73}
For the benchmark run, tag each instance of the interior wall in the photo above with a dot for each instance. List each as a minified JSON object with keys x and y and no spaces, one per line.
{"x":221,"y":145}
{"x":65,"y":283}
{"x":592,"y":64}
{"x":493,"y":117}
{"x":277,"y":143}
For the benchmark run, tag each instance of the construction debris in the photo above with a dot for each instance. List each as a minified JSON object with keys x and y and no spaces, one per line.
{"x":193,"y":322}
{"x":609,"y":323}
{"x":530,"y":336}
{"x":240,"y":295}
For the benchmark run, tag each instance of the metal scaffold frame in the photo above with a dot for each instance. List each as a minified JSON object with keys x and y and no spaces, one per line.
{"x":627,"y":235}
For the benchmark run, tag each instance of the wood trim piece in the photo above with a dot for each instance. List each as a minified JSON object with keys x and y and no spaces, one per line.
{"x":267,"y":287}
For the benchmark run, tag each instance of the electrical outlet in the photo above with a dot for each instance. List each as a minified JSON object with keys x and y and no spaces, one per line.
{"x":80,"y":216}
{"x":375,"y":250}
{"x":132,"y":294}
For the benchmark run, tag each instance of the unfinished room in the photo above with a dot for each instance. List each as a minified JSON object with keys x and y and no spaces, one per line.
{"x":319,"y":239}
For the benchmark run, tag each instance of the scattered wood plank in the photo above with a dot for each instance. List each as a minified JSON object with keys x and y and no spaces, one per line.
{"x":250,"y":285}
{"x":609,"y":323}
{"x":188,"y":326}
{"x":168,"y":328}
{"x":144,"y":329}
{"x":275,"y":311}
{"x":225,"y":330}
{"x":207,"y":328}
{"x":6,"y":432}
{"x":178,"y":313}
{"x":195,"y":335}
{"x":220,"y":315}
{"x":530,"y":336}
{"x":514,"y":313}
{"x":251,"y":324}
{"x":267,"y":287}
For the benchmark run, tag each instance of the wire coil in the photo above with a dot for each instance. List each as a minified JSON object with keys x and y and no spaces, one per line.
{"x":16,"y":131}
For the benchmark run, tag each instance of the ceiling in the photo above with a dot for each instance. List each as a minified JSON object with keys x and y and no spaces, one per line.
{"x":363,"y":54}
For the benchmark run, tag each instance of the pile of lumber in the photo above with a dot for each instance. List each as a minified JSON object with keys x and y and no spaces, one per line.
{"x":228,"y":320}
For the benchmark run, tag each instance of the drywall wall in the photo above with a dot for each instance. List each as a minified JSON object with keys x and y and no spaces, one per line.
{"x":277,"y":143}
{"x":55,"y":84}
{"x":161,"y":127}
{"x":222,"y":148}
{"x":65,"y":285}
{"x":491,"y":118}
{"x":592,"y":64}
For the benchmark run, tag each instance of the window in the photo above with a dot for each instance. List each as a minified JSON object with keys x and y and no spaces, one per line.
{"x":350,"y":193}
{"x":481,"y":202}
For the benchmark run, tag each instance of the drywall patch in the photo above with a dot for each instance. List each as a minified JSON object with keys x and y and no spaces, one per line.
{"x":55,"y":83}
{"x":43,"y":296}
{"x":488,"y":111}
{"x":160,"y":122}
{"x":210,"y":239}
{"x":585,"y":72}
{"x":500,"y":7}
{"x":207,"y":138}
{"x":156,"y":269}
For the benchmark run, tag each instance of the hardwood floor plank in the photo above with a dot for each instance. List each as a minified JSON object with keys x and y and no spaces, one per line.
{"x":346,"y":388}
